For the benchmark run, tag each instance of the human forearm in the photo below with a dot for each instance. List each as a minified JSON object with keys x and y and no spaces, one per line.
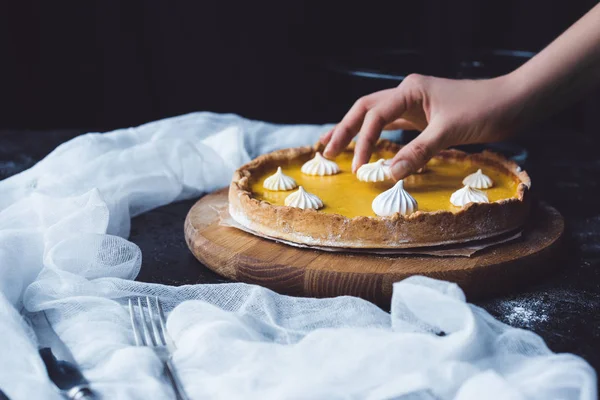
{"x":561,"y":73}
{"x":452,"y":112}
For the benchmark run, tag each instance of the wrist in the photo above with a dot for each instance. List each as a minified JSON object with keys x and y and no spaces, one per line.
{"x":517,"y":98}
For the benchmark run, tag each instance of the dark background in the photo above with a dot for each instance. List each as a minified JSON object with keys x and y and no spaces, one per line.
{"x":99,"y":64}
{"x":71,"y":67}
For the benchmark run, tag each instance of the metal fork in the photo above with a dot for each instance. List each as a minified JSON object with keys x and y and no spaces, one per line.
{"x":159,"y":340}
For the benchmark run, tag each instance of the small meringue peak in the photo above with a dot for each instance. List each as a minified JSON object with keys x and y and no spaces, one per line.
{"x":467,"y":195}
{"x":377,"y":171}
{"x":394,"y":200}
{"x":279,"y":181}
{"x":302,"y":199}
{"x":478,"y":180}
{"x":320,"y":166}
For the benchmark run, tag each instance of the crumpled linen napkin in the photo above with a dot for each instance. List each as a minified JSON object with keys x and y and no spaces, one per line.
{"x":63,"y":250}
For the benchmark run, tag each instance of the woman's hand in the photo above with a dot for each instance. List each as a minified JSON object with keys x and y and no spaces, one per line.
{"x":452,"y":112}
{"x":448,"y":112}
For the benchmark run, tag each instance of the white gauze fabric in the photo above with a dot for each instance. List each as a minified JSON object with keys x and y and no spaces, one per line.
{"x":63,"y":250}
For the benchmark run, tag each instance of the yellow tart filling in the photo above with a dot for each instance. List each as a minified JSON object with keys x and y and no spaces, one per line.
{"x":344,"y":194}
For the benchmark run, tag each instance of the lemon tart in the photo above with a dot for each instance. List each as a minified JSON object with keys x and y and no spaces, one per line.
{"x":345,"y":216}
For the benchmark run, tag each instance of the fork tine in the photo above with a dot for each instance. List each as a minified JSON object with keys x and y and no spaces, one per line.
{"x":163,"y":326}
{"x":136,"y":331}
{"x":158,"y":340}
{"x":149,"y":340}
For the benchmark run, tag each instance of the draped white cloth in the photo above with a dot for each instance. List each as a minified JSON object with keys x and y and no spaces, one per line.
{"x":63,"y":250}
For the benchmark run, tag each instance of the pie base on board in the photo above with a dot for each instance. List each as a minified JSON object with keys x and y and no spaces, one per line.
{"x":241,"y":256}
{"x":475,"y":221}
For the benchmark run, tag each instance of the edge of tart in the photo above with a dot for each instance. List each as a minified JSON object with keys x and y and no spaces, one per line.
{"x":474,"y":221}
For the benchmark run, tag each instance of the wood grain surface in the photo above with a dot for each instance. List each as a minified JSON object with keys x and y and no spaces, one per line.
{"x":243,"y":257}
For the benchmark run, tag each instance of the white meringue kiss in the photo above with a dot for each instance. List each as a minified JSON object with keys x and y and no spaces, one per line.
{"x":478,"y":180}
{"x":302,"y":199}
{"x":394,"y":200}
{"x":467,"y":195}
{"x":279,"y":181}
{"x":320,"y":166}
{"x":374,"y":172}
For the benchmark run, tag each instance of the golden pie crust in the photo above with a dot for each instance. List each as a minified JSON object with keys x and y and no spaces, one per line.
{"x":475,"y":221}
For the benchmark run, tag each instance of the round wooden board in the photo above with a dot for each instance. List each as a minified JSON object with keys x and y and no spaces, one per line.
{"x":241,"y":256}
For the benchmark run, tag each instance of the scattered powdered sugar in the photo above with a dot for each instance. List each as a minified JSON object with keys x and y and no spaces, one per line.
{"x":524,"y":313}
{"x":553,"y":311}
{"x":525,"y":316}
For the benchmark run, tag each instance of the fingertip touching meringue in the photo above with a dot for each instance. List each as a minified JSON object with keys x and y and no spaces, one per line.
{"x":467,"y":195}
{"x":478,"y":180}
{"x":394,"y":200}
{"x":279,"y":181}
{"x":302,"y":199}
{"x":320,"y":166}
{"x":376,"y":171}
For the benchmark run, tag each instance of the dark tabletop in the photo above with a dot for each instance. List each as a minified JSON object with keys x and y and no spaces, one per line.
{"x":564,"y":308}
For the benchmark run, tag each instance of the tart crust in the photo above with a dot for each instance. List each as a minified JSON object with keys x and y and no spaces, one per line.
{"x":475,"y":221}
